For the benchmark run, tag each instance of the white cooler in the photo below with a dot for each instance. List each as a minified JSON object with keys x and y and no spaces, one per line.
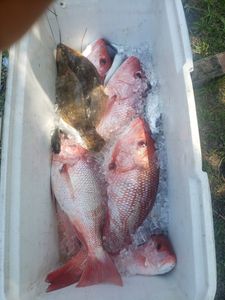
{"x":28,"y":236}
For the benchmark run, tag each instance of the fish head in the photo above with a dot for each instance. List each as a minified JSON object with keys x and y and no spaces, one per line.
{"x":70,"y":151}
{"x":129,"y":80}
{"x":98,"y":54}
{"x":156,"y":256}
{"x":61,"y":59}
{"x":67,"y":57}
{"x":66,"y":51}
{"x":133,"y":149}
{"x":129,"y":83}
{"x":131,"y":69}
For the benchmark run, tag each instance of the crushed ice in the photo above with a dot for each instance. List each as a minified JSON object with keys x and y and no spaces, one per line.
{"x":157,"y":220}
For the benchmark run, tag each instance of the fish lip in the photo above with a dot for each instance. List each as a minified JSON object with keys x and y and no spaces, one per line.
{"x":167,"y":267}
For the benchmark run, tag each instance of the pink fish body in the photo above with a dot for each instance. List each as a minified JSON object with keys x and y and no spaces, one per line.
{"x":126,"y":90}
{"x":69,"y":244}
{"x":78,"y":194}
{"x":132,"y":175}
{"x":155,"y":257}
{"x":128,"y":81}
{"x":117,"y":115}
{"x":98,"y":54}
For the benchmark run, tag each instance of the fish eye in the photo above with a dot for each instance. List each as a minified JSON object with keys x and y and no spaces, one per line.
{"x":112,"y":166}
{"x":158,"y":246}
{"x":63,"y":169}
{"x":114,"y":97}
{"x":138,"y":75}
{"x":142,"y":143}
{"x":103,"y":61}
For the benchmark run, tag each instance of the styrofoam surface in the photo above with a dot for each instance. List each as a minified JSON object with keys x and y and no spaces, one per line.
{"x":28,"y":238}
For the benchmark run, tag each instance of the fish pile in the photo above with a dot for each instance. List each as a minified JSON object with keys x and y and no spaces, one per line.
{"x":105,"y":170}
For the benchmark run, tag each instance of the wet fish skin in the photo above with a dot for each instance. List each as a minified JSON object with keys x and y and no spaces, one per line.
{"x":70,"y":100}
{"x":129,"y":80}
{"x":127,"y":90}
{"x":155,"y":257}
{"x":77,"y":191}
{"x":97,"y":53}
{"x":132,"y":175}
{"x":80,"y":98}
{"x":69,"y":244}
{"x":117,"y":115}
{"x":80,"y":65}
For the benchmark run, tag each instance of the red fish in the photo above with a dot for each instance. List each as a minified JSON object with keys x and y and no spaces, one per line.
{"x":129,"y":80}
{"x":69,"y":244}
{"x":98,"y":54}
{"x":78,"y":193}
{"x":132,"y":175}
{"x":126,"y":90}
{"x":155,"y":257}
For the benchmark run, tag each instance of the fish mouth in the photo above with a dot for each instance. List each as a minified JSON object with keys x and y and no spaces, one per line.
{"x":167,"y":266}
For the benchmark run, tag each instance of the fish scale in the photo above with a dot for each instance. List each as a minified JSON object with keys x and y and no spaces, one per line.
{"x":80,"y":97}
{"x":77,"y":190}
{"x":127,"y":90}
{"x":152,"y":258}
{"x":132,"y":177}
{"x":129,"y":202}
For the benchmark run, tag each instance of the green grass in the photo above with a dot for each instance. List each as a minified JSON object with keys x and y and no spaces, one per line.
{"x":207,"y":26}
{"x":206,"y":21}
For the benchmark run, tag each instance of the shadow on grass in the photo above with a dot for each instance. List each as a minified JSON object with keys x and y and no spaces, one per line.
{"x":206,"y":23}
{"x":210,"y":104}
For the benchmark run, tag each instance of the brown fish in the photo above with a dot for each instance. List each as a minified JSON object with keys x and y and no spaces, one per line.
{"x":80,"y":97}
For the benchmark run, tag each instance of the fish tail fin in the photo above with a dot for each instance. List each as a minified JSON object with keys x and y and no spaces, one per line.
{"x":100,"y":269}
{"x":67,"y":274}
